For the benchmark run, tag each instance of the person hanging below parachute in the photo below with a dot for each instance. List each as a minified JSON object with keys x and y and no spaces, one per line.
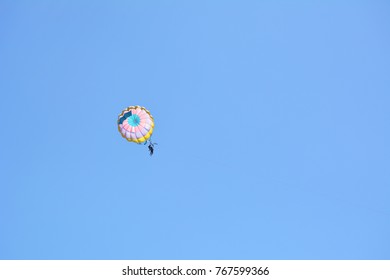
{"x":151,"y":147}
{"x":136,"y":124}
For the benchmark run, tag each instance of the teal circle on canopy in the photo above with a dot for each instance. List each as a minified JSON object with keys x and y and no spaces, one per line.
{"x":134,"y":120}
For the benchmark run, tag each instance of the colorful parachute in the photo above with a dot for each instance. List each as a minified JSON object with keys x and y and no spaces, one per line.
{"x":136,"y":124}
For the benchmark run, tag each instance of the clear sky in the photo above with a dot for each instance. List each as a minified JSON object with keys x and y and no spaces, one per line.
{"x":272,"y":123}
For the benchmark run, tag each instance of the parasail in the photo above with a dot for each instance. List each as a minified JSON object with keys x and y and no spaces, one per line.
{"x":136,"y":124}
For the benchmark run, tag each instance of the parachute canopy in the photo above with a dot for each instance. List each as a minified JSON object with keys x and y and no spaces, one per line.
{"x":136,"y":124}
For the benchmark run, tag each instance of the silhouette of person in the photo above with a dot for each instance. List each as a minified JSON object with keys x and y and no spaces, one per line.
{"x":151,"y":149}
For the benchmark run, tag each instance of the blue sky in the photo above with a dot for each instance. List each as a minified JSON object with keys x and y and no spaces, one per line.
{"x":272,"y":124}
